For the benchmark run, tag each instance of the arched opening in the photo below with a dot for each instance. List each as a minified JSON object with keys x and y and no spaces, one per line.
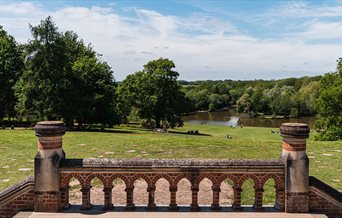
{"x":96,"y":192}
{"x":205,"y":193}
{"x":269,"y":195}
{"x":140,"y":194}
{"x":227,"y":193}
{"x":248,"y":193}
{"x":119,"y":193}
{"x":184,"y":194}
{"x":75,"y":194}
{"x":162,"y":194}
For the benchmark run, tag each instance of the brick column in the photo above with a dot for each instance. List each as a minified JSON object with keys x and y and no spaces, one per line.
{"x":85,"y":198}
{"x":64,"y":197}
{"x":129,"y":192}
{"x":151,"y":204}
{"x":194,"y":201}
{"x":258,"y":198}
{"x":237,"y":197}
{"x":108,"y":205}
{"x":173,"y":196}
{"x":216,"y":197}
{"x":296,"y":167}
{"x":46,"y":163}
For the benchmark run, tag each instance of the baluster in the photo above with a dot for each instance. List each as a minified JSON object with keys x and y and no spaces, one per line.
{"x":216,"y":197}
{"x":65,"y":197}
{"x":194,"y":204}
{"x":151,"y":203}
{"x":280,"y":198}
{"x":173,"y":196}
{"x":108,"y":205}
{"x":129,"y":193}
{"x":237,"y":197}
{"x":258,"y":198}
{"x":86,"y":198}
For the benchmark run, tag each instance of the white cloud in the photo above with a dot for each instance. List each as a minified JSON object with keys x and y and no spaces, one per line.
{"x":202,"y":46}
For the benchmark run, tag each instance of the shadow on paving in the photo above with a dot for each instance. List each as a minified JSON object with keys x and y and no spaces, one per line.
{"x":98,"y":209}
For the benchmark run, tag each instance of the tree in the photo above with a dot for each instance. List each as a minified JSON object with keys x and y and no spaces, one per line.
{"x":155,"y":93}
{"x":244,"y":104}
{"x":329,"y":105}
{"x":64,"y":79}
{"x":11,"y":66}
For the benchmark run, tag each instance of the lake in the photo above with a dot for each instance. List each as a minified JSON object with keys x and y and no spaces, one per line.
{"x":230,"y":117}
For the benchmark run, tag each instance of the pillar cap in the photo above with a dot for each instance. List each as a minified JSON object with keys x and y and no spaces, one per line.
{"x":294,"y":130}
{"x":49,"y":128}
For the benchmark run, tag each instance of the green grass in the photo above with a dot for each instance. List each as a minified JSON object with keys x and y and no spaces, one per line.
{"x":18,"y":148}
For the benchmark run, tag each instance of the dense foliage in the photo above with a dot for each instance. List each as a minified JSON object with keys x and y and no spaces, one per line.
{"x":329,"y":105}
{"x":64,"y":79}
{"x":288,"y":97}
{"x":154,"y":93}
{"x":11,"y":66}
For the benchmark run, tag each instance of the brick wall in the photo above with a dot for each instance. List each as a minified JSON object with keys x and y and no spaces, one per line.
{"x":19,"y":197}
{"x":324,"y":199}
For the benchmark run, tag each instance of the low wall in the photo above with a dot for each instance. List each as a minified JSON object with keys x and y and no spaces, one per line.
{"x":18,"y":197}
{"x":172,"y":170}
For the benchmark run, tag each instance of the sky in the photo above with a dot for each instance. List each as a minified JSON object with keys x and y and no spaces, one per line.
{"x":215,"y":40}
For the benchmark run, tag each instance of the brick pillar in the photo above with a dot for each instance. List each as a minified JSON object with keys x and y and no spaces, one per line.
{"x":216,"y":197}
{"x":280,"y":198}
{"x":258,"y":198}
{"x":194,"y":201}
{"x":64,"y":197}
{"x":46,"y":163}
{"x":151,"y":204}
{"x":85,"y":198}
{"x":108,"y":205}
{"x":129,"y":193}
{"x":237,"y":197}
{"x":173,"y":196}
{"x":296,"y":167}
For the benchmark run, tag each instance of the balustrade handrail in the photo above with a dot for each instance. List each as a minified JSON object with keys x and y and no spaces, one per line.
{"x":248,"y":164}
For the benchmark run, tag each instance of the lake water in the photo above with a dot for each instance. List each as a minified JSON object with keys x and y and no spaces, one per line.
{"x":231,"y":118}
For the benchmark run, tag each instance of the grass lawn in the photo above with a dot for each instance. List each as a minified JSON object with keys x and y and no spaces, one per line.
{"x":18,"y":148}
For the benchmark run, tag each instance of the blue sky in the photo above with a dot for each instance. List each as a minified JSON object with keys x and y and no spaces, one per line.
{"x":205,"y":39}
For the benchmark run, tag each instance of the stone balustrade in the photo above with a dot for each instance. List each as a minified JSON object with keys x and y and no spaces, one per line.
{"x":172,"y":170}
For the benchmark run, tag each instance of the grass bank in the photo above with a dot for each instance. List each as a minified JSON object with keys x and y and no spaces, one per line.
{"x":18,"y":148}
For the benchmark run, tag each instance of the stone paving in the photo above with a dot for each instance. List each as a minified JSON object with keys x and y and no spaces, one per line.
{"x":170,"y":215}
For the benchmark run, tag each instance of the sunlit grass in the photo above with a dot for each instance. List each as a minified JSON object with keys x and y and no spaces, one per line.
{"x":18,"y":148}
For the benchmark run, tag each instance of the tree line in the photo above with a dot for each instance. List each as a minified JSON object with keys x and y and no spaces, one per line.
{"x":290,"y":97}
{"x":56,"y":76}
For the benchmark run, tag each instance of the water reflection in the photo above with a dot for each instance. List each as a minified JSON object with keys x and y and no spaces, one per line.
{"x":231,"y":118}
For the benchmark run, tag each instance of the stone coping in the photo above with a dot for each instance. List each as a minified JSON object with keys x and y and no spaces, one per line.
{"x":172,"y":163}
{"x":29,"y":181}
{"x":313,"y":181}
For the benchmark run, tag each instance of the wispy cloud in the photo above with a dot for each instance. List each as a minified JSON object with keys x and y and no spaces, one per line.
{"x":202,"y":45}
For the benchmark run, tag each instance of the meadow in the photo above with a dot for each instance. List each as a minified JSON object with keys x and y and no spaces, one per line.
{"x":19,"y":146}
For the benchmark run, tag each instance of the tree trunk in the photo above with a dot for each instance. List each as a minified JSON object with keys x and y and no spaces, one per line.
{"x":157,"y":122}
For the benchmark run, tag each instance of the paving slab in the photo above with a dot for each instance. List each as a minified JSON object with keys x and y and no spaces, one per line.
{"x":170,"y":215}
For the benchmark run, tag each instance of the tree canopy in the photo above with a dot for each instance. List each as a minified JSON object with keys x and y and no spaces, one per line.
{"x":64,"y":79}
{"x":155,"y":93}
{"x":11,"y":66}
{"x":329,"y":105}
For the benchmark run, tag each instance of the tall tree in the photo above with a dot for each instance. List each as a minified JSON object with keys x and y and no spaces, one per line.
{"x":65,"y":79}
{"x":329,"y":105}
{"x":11,"y":66}
{"x":155,"y":92}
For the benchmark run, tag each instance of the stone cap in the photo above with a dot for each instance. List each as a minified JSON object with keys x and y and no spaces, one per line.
{"x":294,"y":130}
{"x":141,"y":163}
{"x":49,"y":128}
